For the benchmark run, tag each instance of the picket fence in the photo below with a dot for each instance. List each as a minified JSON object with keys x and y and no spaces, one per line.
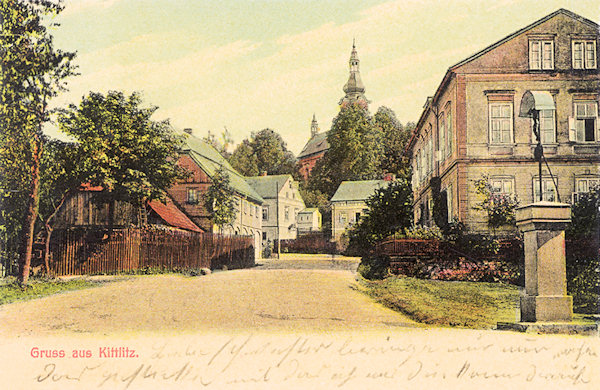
{"x":86,"y":251}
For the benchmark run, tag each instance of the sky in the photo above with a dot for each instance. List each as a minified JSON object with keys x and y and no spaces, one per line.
{"x":246,"y":65}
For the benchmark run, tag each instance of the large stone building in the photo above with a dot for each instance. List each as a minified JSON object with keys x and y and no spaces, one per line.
{"x":202,"y":161}
{"x":317,"y":145}
{"x":282,"y":203}
{"x":471,"y":126}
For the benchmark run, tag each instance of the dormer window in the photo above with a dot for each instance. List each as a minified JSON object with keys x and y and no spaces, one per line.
{"x":584,"y":54}
{"x":541,"y":54}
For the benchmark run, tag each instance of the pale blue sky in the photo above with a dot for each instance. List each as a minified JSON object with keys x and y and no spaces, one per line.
{"x":253,"y":64}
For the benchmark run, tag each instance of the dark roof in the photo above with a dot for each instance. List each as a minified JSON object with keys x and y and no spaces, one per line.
{"x":316,"y":144}
{"x":209,"y":159}
{"x":268,"y":186}
{"x":357,"y":190}
{"x":172,"y":216}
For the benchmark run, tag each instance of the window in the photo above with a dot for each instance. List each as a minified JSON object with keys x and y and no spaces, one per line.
{"x":549,"y":191}
{"x":541,"y":54}
{"x":449,"y":203}
{"x":502,"y":185}
{"x":251,"y":210}
{"x":547,"y":127}
{"x":245,"y":204}
{"x":342,"y":218}
{"x":442,"y":137}
{"x":264,"y":236}
{"x":295,"y":214}
{"x":584,"y":185}
{"x":500,"y":123}
{"x":286,"y":213}
{"x":265,"y":213}
{"x":449,"y":132}
{"x":193,"y":196}
{"x":583,"y":127}
{"x":584,"y":54}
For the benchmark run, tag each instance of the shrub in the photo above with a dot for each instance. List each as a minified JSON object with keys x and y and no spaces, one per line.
{"x":374,"y":266}
{"x":583,"y":284}
{"x":421,"y":233}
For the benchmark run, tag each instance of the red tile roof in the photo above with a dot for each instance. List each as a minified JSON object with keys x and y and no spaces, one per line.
{"x":173,"y":216}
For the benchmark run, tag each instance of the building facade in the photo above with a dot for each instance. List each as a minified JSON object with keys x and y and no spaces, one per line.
{"x":309,"y":220}
{"x":282,"y":204}
{"x":349,"y":203}
{"x":203,"y":161}
{"x":471,"y":128}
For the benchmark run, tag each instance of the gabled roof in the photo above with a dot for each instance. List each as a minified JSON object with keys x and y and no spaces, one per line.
{"x":172,"y":216}
{"x":451,"y":69}
{"x":209,"y":159}
{"x":357,"y":190}
{"x":316,"y":144}
{"x":525,"y":29}
{"x":309,"y":210}
{"x":268,"y":186}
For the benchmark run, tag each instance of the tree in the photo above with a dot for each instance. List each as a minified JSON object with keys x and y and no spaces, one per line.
{"x":395,"y":139}
{"x":33,"y":71}
{"x":122,"y":149}
{"x":264,"y":152}
{"x":389,"y":210}
{"x":355,"y":151}
{"x":219,"y":199}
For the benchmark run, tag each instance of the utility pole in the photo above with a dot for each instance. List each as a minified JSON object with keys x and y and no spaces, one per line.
{"x":277,"y":213}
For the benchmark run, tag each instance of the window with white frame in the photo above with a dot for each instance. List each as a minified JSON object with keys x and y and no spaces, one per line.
{"x":502,"y":185}
{"x":584,"y":185}
{"x":547,"y":126}
{"x":501,"y":122}
{"x":541,"y":54}
{"x":583,"y":125}
{"x":584,"y":54}
{"x":343,"y":218}
{"x":286,"y":213}
{"x":548,"y":189}
{"x":193,"y":196}
{"x":265,"y":213}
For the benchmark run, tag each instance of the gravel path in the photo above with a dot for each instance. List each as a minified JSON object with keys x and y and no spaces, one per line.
{"x":253,"y":299}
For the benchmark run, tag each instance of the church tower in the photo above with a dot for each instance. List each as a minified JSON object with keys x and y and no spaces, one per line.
{"x":314,"y":127}
{"x":354,"y":87}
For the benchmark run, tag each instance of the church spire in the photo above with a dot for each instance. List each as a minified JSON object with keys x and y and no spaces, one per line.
{"x":314,"y":127}
{"x":354,"y":88}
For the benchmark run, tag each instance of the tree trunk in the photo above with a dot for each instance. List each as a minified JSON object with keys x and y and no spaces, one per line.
{"x":49,"y":229}
{"x":32,"y":212}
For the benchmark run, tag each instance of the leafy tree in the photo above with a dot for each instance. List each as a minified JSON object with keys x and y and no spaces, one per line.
{"x":355,"y":151}
{"x":264,"y":152}
{"x":123,"y":150}
{"x":395,"y":139}
{"x":389,"y":210}
{"x":500,"y":208}
{"x":33,"y":71}
{"x":219,"y":199}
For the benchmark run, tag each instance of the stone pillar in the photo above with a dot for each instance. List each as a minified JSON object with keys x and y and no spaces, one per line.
{"x":543,"y":225}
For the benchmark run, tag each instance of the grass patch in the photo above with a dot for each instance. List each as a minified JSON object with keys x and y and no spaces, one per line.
{"x":474,"y":305}
{"x":12,"y":292}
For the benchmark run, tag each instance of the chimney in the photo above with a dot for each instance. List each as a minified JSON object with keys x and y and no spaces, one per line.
{"x":188,"y":130}
{"x":263,"y":173}
{"x":389,"y":176}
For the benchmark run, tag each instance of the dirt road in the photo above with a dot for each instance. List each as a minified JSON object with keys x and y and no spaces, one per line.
{"x":256,"y":299}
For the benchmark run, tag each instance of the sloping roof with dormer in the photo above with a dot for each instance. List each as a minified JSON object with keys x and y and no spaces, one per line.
{"x":359,"y":190}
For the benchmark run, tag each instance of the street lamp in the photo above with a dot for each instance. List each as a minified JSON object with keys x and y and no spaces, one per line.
{"x":531,"y":105}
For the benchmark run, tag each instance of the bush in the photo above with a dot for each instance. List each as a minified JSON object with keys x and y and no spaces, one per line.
{"x":374,"y":266}
{"x":583,"y":284}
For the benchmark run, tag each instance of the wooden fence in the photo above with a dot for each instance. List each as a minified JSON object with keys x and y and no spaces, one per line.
{"x":314,"y":242}
{"x":86,"y":251}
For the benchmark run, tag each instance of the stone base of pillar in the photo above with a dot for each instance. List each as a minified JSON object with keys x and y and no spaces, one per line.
{"x":546,"y":308}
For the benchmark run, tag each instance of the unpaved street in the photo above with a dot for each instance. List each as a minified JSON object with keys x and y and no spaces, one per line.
{"x":258,"y":299}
